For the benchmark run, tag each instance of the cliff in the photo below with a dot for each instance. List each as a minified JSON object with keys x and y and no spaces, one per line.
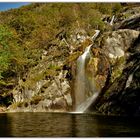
{"x":120,"y":94}
{"x":40,"y":45}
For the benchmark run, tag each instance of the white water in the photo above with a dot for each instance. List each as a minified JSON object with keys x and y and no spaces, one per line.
{"x":112,"y":20}
{"x":95,"y":35}
{"x":85,"y":105}
{"x":82,"y":84}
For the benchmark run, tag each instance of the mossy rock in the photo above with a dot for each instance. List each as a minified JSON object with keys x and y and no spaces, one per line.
{"x":117,"y":68}
{"x":36,"y":99}
{"x":73,"y":57}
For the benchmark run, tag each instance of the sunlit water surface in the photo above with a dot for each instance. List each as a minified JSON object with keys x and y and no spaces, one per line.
{"x":67,"y":125}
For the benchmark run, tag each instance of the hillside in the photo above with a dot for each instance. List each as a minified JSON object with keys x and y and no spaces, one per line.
{"x":40,"y":44}
{"x":28,"y":31}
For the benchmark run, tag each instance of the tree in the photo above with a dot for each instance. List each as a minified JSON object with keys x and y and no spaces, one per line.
{"x":5,"y":36}
{"x":11,"y":55}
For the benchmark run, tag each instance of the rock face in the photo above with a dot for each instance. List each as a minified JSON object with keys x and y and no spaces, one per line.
{"x":49,"y":85}
{"x":46,"y":87}
{"x":120,"y":92}
{"x":131,"y":23}
{"x":114,"y":66}
{"x":110,"y":55}
{"x":46,"y":95}
{"x":121,"y":48}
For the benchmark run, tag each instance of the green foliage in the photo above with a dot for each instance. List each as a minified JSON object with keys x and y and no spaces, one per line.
{"x":24,"y":24}
{"x":27,"y":31}
{"x":17,"y":104}
{"x":5,"y":42}
{"x":109,"y":8}
{"x":117,"y":68}
{"x":54,"y":67}
{"x":96,"y":23}
{"x":117,"y":8}
{"x":104,"y":8}
{"x":11,"y":55}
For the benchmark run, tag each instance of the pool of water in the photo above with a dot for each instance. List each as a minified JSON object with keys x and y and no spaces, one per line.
{"x":67,"y":125}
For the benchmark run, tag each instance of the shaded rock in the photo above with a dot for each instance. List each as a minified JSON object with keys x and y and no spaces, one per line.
{"x":110,"y":55}
{"x":131,"y":23}
{"x":121,"y":96}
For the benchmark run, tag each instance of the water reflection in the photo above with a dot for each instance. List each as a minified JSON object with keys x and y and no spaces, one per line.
{"x":110,"y":126}
{"x":85,"y":126}
{"x":5,"y":125}
{"x":40,"y":124}
{"x":67,"y":125}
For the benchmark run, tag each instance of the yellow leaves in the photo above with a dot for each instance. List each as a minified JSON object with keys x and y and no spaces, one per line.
{"x":86,"y":43}
{"x":73,"y":57}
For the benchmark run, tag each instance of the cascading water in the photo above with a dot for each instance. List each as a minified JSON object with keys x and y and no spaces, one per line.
{"x":95,"y":35}
{"x":80,"y":85}
{"x":112,"y":20}
{"x":83,"y":84}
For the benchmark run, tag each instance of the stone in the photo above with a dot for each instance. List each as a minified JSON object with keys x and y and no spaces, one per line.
{"x":131,"y":23}
{"x":121,"y":96}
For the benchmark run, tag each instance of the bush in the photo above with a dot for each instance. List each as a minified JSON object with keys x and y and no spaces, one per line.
{"x":11,"y":55}
{"x":5,"y":53}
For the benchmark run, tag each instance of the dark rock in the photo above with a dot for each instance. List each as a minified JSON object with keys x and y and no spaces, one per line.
{"x":131,"y":23}
{"x":122,"y":95}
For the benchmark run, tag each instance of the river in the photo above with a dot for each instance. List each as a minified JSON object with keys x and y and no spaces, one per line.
{"x":67,"y":125}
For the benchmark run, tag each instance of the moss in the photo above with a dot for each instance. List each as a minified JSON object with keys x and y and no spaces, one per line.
{"x":93,"y":64}
{"x":3,"y":83}
{"x":32,"y":80}
{"x":50,"y":72}
{"x":117,"y":68}
{"x":100,"y":41}
{"x":73,"y":57}
{"x":127,"y":15}
{"x":54,"y":67}
{"x":17,"y":104}
{"x":36,"y":99}
{"x":86,"y":43}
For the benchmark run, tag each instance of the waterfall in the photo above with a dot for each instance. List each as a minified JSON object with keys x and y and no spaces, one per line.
{"x":80,"y":85}
{"x":85,"y":105}
{"x":95,"y":35}
{"x":111,"y":22}
{"x":83,"y":84}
